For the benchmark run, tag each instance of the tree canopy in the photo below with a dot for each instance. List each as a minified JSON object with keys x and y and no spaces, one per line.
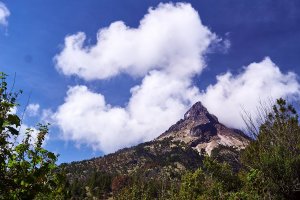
{"x":27,"y":169}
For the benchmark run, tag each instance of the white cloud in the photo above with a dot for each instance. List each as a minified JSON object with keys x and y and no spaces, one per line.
{"x":4,"y":14}
{"x":167,"y":50}
{"x":161,"y":100}
{"x":86,"y":118}
{"x":258,"y":82}
{"x":170,"y":37}
{"x":33,"y":109}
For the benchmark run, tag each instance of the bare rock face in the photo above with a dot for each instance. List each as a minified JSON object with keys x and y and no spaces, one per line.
{"x":200,"y":113}
{"x":202,"y":131}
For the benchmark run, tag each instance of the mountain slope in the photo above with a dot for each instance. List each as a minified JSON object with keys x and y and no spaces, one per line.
{"x":181,"y":148}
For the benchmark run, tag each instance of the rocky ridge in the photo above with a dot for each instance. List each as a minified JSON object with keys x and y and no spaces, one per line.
{"x":203,"y":132}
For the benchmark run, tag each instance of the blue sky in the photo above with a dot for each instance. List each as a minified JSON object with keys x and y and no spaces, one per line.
{"x":245,"y":43}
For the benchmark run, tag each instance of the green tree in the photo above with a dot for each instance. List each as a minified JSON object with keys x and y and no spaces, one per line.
{"x":26,"y":168}
{"x":214,"y":181}
{"x":272,"y":161}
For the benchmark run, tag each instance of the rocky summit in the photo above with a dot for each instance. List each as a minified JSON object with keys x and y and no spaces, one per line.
{"x":203,"y":132}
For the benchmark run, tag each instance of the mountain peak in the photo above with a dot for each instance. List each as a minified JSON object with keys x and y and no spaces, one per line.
{"x":196,"y":110}
{"x":200,"y":113}
{"x":202,"y":131}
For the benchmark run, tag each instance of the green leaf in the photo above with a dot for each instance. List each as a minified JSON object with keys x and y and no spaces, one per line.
{"x":14,"y":120}
{"x":51,"y":156}
{"x":22,"y":183}
{"x":13,"y":130}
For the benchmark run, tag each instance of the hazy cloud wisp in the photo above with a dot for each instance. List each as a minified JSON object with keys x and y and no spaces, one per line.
{"x":4,"y":14}
{"x":32,"y":109}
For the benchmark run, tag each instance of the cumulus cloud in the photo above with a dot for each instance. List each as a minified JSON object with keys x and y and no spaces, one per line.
{"x":4,"y":14}
{"x":33,"y":109}
{"x":166,"y":50}
{"x":170,"y":37}
{"x":161,"y":100}
{"x":85,"y":117}
{"x":257,"y":82}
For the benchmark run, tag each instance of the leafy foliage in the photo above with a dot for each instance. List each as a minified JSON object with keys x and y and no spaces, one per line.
{"x":273,"y":160}
{"x":26,"y":168}
{"x":214,"y":181}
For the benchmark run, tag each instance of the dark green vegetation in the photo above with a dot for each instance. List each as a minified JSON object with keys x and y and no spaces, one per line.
{"x":156,"y":164}
{"x":269,"y":168}
{"x":27,"y":170}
